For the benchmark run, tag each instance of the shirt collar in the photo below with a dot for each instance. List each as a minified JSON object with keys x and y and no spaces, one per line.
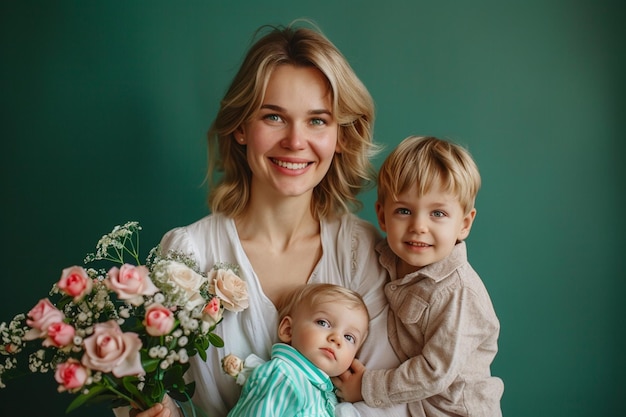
{"x":436,"y":271}
{"x":316,"y":376}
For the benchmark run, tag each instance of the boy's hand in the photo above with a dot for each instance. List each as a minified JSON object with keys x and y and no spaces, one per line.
{"x":348,"y":384}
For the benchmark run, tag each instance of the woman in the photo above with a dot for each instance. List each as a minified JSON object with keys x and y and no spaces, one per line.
{"x":292,"y":138}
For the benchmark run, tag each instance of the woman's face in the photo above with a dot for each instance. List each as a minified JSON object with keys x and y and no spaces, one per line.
{"x":292,"y":138}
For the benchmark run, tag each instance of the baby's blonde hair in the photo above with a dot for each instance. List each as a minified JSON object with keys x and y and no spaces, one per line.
{"x":428,"y":161}
{"x":309,"y":295}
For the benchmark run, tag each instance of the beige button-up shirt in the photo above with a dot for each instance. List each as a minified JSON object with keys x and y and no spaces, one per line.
{"x":444,"y":329}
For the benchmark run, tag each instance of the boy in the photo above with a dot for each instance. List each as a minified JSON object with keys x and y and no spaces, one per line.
{"x":442,"y":324}
{"x":321,"y":327}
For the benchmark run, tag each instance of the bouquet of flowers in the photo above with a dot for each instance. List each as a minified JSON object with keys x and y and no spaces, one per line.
{"x":122,"y":332}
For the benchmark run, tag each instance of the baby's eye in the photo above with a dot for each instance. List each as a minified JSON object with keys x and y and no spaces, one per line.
{"x":323,"y":323}
{"x":439,"y":213}
{"x":350,"y":338}
{"x":403,"y":211}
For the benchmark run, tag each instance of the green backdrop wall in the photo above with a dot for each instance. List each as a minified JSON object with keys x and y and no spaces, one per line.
{"x":105,"y":106}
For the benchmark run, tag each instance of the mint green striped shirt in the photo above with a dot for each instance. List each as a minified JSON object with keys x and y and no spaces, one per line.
{"x":287,"y":385}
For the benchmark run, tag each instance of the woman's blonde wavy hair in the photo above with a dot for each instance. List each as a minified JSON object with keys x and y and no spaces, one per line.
{"x":351,"y":171}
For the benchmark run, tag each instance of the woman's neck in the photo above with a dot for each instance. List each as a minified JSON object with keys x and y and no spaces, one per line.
{"x":277,"y":223}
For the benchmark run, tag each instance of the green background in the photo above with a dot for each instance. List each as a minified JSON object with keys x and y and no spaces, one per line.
{"x":105,"y":105}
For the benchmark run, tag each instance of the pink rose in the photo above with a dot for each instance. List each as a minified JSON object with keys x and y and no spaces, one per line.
{"x":59,"y":335}
{"x":212,"y":312}
{"x":71,"y":375}
{"x":130,"y":283}
{"x":75,"y":282}
{"x":159,"y":320}
{"x":41,"y":317}
{"x":231,"y":289}
{"x":108,"y":349}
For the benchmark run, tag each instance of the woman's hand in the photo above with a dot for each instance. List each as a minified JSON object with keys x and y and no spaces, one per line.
{"x":166,"y":408}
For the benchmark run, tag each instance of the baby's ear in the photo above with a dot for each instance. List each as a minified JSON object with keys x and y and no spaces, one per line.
{"x":284,"y":330}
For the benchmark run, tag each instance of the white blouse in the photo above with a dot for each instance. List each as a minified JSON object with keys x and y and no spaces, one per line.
{"x":348,"y":259}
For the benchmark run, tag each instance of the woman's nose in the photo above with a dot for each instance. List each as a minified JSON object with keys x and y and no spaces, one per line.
{"x":294,"y":137}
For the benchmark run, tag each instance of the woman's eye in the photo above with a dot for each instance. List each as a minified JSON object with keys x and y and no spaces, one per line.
{"x":350,"y":338}
{"x":323,"y":323}
{"x":318,"y":122}
{"x":272,"y":117}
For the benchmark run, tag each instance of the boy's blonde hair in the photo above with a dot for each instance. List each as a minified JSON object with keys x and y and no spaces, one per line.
{"x":426,"y":161}
{"x":309,"y":295}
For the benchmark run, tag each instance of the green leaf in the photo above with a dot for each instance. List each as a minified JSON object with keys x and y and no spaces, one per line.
{"x":130,"y":384}
{"x":215,"y":340}
{"x":86,"y":398}
{"x":150,"y":364}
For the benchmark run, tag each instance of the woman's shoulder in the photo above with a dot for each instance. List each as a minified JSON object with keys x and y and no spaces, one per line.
{"x":207,"y":224}
{"x":194,"y":237}
{"x":351,"y":225}
{"x":350,"y":232}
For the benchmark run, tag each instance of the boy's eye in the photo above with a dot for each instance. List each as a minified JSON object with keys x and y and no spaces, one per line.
{"x":439,"y":213}
{"x":323,"y":323}
{"x":350,"y":338}
{"x":403,"y":211}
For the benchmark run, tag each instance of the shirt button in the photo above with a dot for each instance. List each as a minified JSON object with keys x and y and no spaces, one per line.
{"x":377,"y":402}
{"x":394,"y":287}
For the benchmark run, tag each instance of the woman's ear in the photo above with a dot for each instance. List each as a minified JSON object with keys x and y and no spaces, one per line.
{"x":284,"y":330}
{"x":240,"y":135}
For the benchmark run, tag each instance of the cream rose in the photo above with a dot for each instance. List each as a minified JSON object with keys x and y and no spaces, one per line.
{"x":109,"y":349}
{"x":232,"y":365}
{"x":232,"y":290}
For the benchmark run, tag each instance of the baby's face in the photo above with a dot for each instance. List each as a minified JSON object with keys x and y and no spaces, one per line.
{"x":329,"y":334}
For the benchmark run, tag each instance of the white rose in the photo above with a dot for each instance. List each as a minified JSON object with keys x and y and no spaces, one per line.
{"x":184,"y":277}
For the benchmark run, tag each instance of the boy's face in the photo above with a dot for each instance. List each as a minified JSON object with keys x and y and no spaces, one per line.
{"x":328,"y":334}
{"x":423,"y":230}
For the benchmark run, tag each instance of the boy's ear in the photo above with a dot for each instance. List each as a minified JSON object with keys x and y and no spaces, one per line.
{"x":468,"y":220}
{"x":380,"y":215}
{"x":284,"y":330}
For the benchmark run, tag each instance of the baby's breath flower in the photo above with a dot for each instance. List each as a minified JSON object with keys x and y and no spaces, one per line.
{"x":162,"y":351}
{"x":153,"y":352}
{"x":182,"y":289}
